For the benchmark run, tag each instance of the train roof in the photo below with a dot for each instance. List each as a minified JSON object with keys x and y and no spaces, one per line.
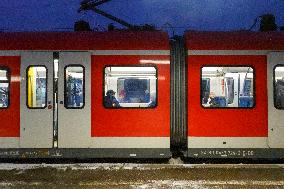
{"x":238,"y":40}
{"x":115,"y":40}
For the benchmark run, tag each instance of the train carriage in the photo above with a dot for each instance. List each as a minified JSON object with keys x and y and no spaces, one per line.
{"x":53,"y":87}
{"x":236,"y":110}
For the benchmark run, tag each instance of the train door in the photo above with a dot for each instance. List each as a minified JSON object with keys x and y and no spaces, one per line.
{"x":232,"y":89}
{"x":36,"y":116}
{"x":74,"y":112}
{"x":275,"y":83}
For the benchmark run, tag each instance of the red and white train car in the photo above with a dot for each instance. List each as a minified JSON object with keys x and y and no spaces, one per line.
{"x":235,"y":94}
{"x":131,"y":94}
{"x":53,"y":87}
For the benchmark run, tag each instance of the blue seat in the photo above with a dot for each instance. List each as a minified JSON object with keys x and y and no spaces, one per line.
{"x":245,"y":101}
{"x":219,"y":101}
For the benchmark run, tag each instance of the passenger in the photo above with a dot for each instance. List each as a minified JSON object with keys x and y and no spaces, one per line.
{"x":122,"y":96}
{"x":211,"y":100}
{"x":76,"y":94}
{"x":110,"y":100}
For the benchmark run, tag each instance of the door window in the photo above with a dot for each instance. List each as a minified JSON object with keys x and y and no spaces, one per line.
{"x":74,"y":87}
{"x":279,"y":87}
{"x":36,"y":87}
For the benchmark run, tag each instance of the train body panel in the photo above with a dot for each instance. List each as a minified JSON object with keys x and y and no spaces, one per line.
{"x":133,"y":122}
{"x":226,"y":122}
{"x":10,"y":67}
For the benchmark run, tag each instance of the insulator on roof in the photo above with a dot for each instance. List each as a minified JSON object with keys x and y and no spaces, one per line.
{"x":267,"y":23}
{"x":82,"y":25}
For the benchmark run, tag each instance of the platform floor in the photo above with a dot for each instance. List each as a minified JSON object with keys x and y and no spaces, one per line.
{"x":144,"y":176}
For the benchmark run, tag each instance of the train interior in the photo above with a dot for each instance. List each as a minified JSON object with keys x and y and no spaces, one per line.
{"x":36,"y":80}
{"x":131,"y":86}
{"x":4,"y":86}
{"x":227,"y":87}
{"x":279,"y":87}
{"x":74,"y":85}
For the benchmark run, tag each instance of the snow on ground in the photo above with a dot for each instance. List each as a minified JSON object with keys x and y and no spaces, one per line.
{"x":79,"y":166}
{"x":170,"y":184}
{"x":204,"y":184}
{"x":130,"y":166}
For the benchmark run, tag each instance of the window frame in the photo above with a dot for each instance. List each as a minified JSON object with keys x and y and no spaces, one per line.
{"x":144,"y":65}
{"x":9,"y":82}
{"x":83,"y":88}
{"x":274,"y":86}
{"x":46,"y":83}
{"x":229,"y":65}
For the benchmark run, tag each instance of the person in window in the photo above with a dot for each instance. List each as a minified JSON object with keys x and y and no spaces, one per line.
{"x":212,"y":101}
{"x":69,"y":89}
{"x":76,"y":92}
{"x":110,"y":101}
{"x":122,"y":96}
{"x":205,"y":98}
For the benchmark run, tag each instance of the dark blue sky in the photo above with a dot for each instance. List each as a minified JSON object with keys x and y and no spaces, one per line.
{"x":46,"y":15}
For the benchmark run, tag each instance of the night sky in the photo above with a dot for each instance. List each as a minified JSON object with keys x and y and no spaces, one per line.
{"x":58,"y":15}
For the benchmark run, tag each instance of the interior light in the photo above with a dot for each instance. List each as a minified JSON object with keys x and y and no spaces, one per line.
{"x":210,"y":69}
{"x":133,"y":69}
{"x":279,"y":69}
{"x":154,"y":62}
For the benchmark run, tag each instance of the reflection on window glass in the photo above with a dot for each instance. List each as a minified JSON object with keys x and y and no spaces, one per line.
{"x":130,"y":87}
{"x":4,"y":88}
{"x":279,"y":87}
{"x":227,"y":87}
{"x":74,"y":87}
{"x":36,"y":79}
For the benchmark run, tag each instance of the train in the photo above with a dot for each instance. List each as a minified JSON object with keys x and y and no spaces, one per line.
{"x":142,"y":94}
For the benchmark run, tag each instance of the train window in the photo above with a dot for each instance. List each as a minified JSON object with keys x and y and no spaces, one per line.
{"x":130,"y":87}
{"x":74,"y":91}
{"x":4,"y":87}
{"x":279,"y":87}
{"x":36,"y":87}
{"x":227,"y":87}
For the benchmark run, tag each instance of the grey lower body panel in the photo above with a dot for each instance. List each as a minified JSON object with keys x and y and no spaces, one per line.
{"x":85,"y":153}
{"x":253,"y":153}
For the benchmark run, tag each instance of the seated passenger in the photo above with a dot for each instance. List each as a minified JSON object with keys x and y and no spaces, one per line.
{"x":210,"y":98}
{"x":110,"y":100}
